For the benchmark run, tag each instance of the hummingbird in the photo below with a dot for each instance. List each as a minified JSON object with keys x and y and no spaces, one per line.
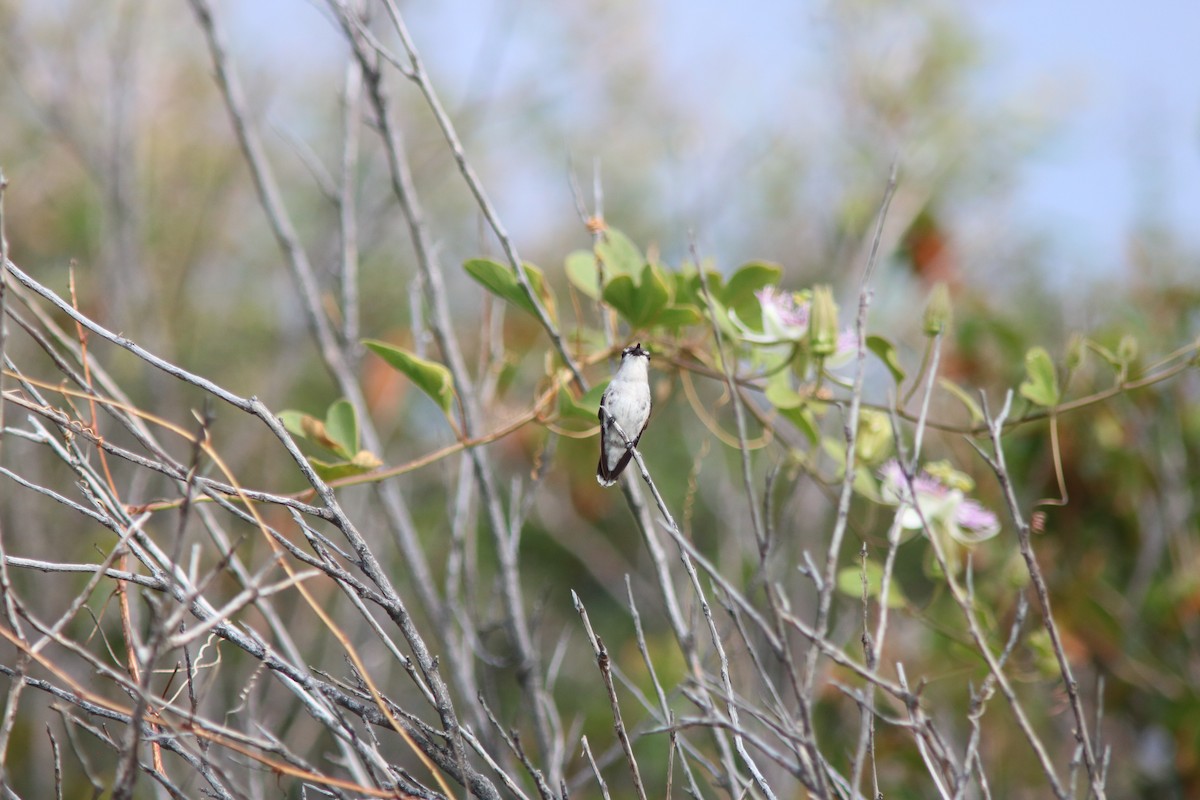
{"x":627,"y":402}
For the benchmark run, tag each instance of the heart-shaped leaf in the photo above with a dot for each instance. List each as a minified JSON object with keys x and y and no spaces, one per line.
{"x":310,"y":429}
{"x":886,"y":352}
{"x":802,"y":418}
{"x":341,"y":425}
{"x":748,"y":279}
{"x":639,"y":303}
{"x":581,"y":271}
{"x":780,"y":393}
{"x":586,"y":408}
{"x":335,"y":470}
{"x":431,"y":377}
{"x":688,"y":285}
{"x":501,"y":281}
{"x":293,"y":421}
{"x":620,"y":255}
{"x":1041,"y":381}
{"x":676,"y":317}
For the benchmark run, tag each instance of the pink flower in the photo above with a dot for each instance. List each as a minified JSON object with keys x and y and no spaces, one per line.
{"x":939,"y":491}
{"x":784,"y":317}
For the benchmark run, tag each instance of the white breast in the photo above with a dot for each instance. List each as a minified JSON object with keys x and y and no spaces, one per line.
{"x":628,"y":400}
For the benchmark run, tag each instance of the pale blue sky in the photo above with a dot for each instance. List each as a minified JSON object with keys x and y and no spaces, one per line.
{"x":1120,"y":85}
{"x":1127,"y":146}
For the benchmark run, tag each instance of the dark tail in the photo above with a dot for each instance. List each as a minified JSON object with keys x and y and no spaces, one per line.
{"x":607,"y":477}
{"x":602,"y":475}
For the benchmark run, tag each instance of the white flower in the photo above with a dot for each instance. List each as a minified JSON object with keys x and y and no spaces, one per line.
{"x":784,"y":317}
{"x":939,"y":491}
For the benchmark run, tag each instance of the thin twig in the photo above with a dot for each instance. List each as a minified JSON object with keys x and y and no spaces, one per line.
{"x":8,"y":601}
{"x":587,"y":751}
{"x":996,"y":426}
{"x":979,"y":638}
{"x":739,"y":414}
{"x":529,"y":669}
{"x":825,"y":592}
{"x":417,"y":74}
{"x":347,"y":202}
{"x":685,"y":637}
{"x":606,"y":673}
{"x":3,"y":308}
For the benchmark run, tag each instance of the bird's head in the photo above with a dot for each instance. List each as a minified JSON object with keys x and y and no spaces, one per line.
{"x":635,"y":350}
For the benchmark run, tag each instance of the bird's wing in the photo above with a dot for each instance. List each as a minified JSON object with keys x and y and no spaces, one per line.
{"x":616,"y":471}
{"x":628,"y":454}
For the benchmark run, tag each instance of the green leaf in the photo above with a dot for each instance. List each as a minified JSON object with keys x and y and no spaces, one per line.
{"x":501,"y":281}
{"x":683,"y":287}
{"x":676,"y":317}
{"x":590,"y":402}
{"x":430,"y":376}
{"x":802,"y":417}
{"x":722,"y":316}
{"x":850,"y":582}
{"x":621,"y":293}
{"x":687,"y":284}
{"x":341,"y":424}
{"x":582,"y":273}
{"x":964,"y":398}
{"x":586,"y":408}
{"x":497,"y":279}
{"x":780,"y":393}
{"x":886,"y":352}
{"x":791,"y":405}
{"x":311,"y":429}
{"x":748,"y":279}
{"x":835,"y":448}
{"x":293,"y":421}
{"x":509,"y":372}
{"x":538,"y":282}
{"x":620,"y":255}
{"x":639,"y":303}
{"x":334,"y":470}
{"x":1041,"y":382}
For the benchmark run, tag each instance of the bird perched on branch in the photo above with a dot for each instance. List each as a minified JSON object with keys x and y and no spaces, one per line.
{"x":626,"y":402}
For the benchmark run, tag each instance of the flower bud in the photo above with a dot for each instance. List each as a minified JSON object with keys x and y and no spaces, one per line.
{"x":1127,"y":349}
{"x":823,"y":322}
{"x":937,"y":312}
{"x":874,"y":442}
